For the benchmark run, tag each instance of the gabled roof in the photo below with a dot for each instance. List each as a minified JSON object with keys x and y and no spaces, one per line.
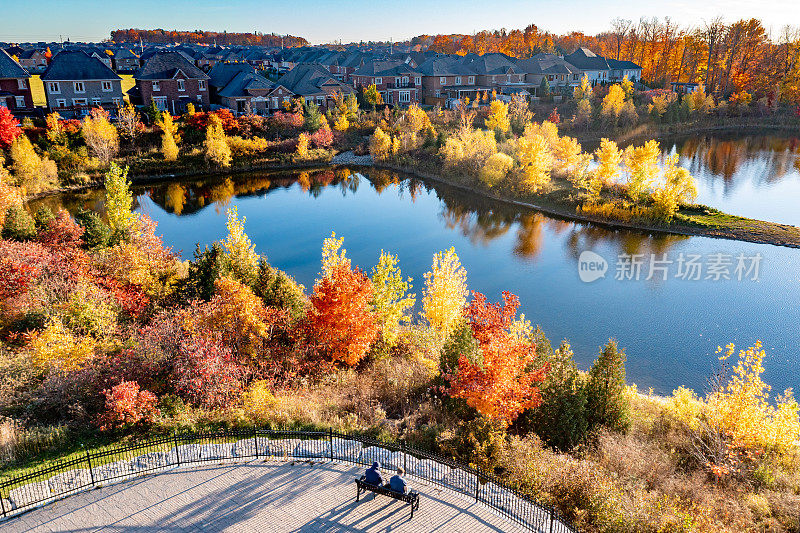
{"x":444,"y":66}
{"x":223,"y":73}
{"x":546,"y":64}
{"x":585,"y":59}
{"x":237,"y":79}
{"x":385,"y":68}
{"x":620,"y":65}
{"x":489,"y":64}
{"x":163,"y":65}
{"x":308,"y":79}
{"x":77,"y":65}
{"x":10,"y":68}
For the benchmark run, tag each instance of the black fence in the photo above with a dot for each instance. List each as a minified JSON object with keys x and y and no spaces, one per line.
{"x":89,"y":469}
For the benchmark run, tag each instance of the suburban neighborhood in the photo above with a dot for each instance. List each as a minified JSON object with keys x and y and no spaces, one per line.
{"x":260,"y":80}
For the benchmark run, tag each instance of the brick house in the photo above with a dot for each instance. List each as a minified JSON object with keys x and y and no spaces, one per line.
{"x":399,"y":82}
{"x":32,"y":60}
{"x":171,"y":81}
{"x":74,"y":83}
{"x":446,"y":77}
{"x":313,"y":83}
{"x":126,"y":60}
{"x":561,"y":76}
{"x":240,"y":88}
{"x":15,"y":87}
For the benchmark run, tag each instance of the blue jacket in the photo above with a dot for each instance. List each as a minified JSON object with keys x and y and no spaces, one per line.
{"x":373,"y":475}
{"x":397,"y":484}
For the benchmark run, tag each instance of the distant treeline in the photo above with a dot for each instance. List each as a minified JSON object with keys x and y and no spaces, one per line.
{"x":206,"y":37}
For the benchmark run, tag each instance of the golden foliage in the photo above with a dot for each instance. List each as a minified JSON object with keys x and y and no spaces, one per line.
{"x":496,"y":168}
{"x":445,"y":292}
{"x":169,"y":146}
{"x":380,"y":145}
{"x":498,"y":117}
{"x":56,"y":348}
{"x":215,"y":145}
{"x":100,"y":135}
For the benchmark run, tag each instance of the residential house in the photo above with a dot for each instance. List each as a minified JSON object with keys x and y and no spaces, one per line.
{"x":126,"y":60}
{"x":398,"y":82}
{"x":561,"y":76}
{"x":32,"y":60}
{"x":239,"y":87}
{"x":171,"y":81}
{"x":15,"y":87}
{"x":594,"y":66}
{"x":447,"y":77}
{"x":494,"y":72}
{"x":621,"y":69}
{"x":75,"y":82}
{"x":310,"y":82}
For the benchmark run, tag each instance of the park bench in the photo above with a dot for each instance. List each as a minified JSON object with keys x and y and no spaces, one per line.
{"x":411,"y":498}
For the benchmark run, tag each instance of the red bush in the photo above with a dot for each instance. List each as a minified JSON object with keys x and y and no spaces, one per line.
{"x":126,"y":405}
{"x":199,"y":121}
{"x":322,"y":138}
{"x":206,"y":373}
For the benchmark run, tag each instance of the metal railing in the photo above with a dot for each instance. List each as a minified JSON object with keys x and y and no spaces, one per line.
{"x":89,"y":469}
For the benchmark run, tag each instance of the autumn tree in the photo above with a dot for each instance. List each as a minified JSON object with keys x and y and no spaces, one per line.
{"x":119,"y":199}
{"x":641,"y":164}
{"x":380,"y":145}
{"x":391,"y":300}
{"x":240,"y":259}
{"x":31,"y":172}
{"x":100,"y":135}
{"x":496,"y":168}
{"x":216,"y":146}
{"x":445,"y":292}
{"x":519,"y":113}
{"x":301,"y":154}
{"x":128,"y":122}
{"x":169,"y":146}
{"x":9,"y":128}
{"x":341,"y":320}
{"x":498,"y":117}
{"x":613,"y":103}
{"x":609,"y":157}
{"x":372,"y":96}
{"x":677,"y":187}
{"x":127,"y":404}
{"x":206,"y":373}
{"x":504,"y":382}
{"x":584,"y":90}
{"x":534,"y":160}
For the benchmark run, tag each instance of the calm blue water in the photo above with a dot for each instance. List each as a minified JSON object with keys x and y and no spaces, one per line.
{"x":670,"y":328}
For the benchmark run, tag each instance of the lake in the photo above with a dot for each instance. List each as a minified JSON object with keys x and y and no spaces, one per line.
{"x":670,"y":324}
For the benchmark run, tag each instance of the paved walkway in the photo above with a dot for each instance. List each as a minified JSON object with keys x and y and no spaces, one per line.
{"x":255,"y":496}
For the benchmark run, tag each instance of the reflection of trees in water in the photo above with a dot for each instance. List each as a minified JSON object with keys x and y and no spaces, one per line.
{"x":759,"y":159}
{"x":588,"y":237}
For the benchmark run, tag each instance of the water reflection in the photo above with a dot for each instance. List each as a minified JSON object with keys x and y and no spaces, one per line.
{"x":757,"y":176}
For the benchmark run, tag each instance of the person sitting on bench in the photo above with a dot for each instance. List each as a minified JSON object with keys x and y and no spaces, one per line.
{"x":373,"y":475}
{"x":397,"y":483}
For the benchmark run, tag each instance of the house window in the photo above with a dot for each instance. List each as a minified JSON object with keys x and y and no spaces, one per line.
{"x":20,"y":100}
{"x":156,"y":86}
{"x":458,"y":80}
{"x":494,"y":79}
{"x":181,"y":86}
{"x":161,"y":102}
{"x":378,"y":81}
{"x":417,"y":80}
{"x":320,"y":100}
{"x":443,"y":80}
{"x":116,"y":101}
{"x":275,"y":102}
{"x":575,"y":77}
{"x":438,"y":93}
{"x":202,"y":84}
{"x":61,"y":102}
{"x":96,"y":101}
{"x":405,"y":81}
{"x":21,"y":84}
{"x":471,"y":80}
{"x":53,"y":87}
{"x":404,"y":97}
{"x":79,"y":102}
{"x":79,"y":87}
{"x":200,"y":98}
{"x":550,"y":78}
{"x":106,"y":86}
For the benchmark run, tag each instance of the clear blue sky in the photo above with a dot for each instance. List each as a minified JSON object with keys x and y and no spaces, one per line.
{"x":353,"y":20}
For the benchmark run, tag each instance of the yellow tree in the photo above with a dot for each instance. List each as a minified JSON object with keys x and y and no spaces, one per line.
{"x":535,"y":161}
{"x":169,"y":147}
{"x":390,"y":301}
{"x":241,"y":259}
{"x":609,"y":156}
{"x":380,"y":144}
{"x":496,"y":168}
{"x":613,"y":102}
{"x":498,"y":117}
{"x":641,"y":163}
{"x":584,"y":90}
{"x":119,"y":199}
{"x":9,"y":195}
{"x":128,"y":122}
{"x":627,"y":87}
{"x":100,"y":135}
{"x":677,"y":187}
{"x":31,"y":172}
{"x":216,"y":146}
{"x":302,"y":147}
{"x":445,"y":292}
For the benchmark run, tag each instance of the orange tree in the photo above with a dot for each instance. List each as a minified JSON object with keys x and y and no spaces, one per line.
{"x":503,"y":384}
{"x":340,"y":320}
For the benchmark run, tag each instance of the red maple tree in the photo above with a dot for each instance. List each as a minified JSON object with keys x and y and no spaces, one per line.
{"x":341,"y":320}
{"x":503,"y":384}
